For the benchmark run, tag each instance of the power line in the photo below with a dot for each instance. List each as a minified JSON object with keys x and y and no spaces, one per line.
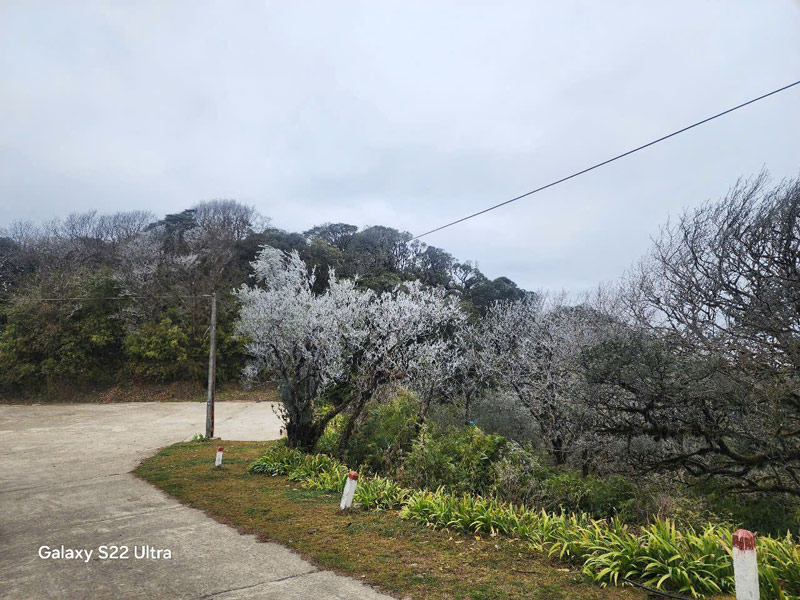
{"x":605,"y":162}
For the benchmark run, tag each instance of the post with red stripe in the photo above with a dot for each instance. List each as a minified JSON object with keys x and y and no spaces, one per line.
{"x":218,"y":462}
{"x":349,"y":490}
{"x":745,"y":566}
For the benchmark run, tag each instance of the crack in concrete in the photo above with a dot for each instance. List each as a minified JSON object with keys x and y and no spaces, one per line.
{"x":314,"y":570}
{"x":126,"y":516}
{"x":255,"y":585}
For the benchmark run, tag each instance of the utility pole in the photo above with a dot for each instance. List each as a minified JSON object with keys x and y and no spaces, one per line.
{"x":212,"y":369}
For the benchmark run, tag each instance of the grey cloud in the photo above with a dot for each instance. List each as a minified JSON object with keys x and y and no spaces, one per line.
{"x":405,"y":114}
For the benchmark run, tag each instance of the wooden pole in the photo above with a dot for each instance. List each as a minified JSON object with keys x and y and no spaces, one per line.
{"x":212,"y":369}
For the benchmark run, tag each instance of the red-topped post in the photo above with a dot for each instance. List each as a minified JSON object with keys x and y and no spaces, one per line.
{"x":745,"y":565}
{"x":349,"y":490}
{"x":218,"y":462}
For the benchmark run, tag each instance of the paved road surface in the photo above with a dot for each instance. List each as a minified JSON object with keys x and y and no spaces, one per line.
{"x":65,"y":480}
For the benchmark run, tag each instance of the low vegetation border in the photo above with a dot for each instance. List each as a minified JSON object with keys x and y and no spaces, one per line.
{"x":402,"y":557}
{"x":695,"y":563}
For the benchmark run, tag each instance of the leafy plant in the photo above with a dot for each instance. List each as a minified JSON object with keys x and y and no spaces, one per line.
{"x":379,"y":493}
{"x":160,"y":351}
{"x":459,"y":460}
{"x":279,"y":460}
{"x":386,"y":436}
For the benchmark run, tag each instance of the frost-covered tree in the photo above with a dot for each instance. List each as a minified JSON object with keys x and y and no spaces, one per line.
{"x":329,"y":352}
{"x":533,"y":347}
{"x":454,"y":370}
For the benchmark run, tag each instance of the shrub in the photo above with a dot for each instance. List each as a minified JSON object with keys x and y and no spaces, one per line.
{"x":329,"y":441}
{"x":460,"y":460}
{"x":160,"y":351}
{"x":601,"y":498}
{"x":386,"y":435}
{"x":56,"y":345}
{"x":170,"y":349}
{"x":768,"y":513}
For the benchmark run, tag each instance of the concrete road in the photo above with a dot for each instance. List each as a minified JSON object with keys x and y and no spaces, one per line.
{"x":65,"y":481}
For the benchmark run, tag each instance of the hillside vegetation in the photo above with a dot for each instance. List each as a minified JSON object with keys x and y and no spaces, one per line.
{"x":673,"y":395}
{"x":63,"y":328}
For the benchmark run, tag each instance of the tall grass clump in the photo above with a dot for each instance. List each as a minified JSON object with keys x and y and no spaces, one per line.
{"x":379,"y":493}
{"x":279,"y":460}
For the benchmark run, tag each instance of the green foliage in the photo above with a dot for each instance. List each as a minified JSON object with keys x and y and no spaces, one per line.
{"x":89,"y":341}
{"x":380,"y":493}
{"x":766,"y":513}
{"x":687,"y":562}
{"x":384,"y":282}
{"x":779,"y":566}
{"x":161,"y":351}
{"x":329,"y":480}
{"x":468,"y":460}
{"x":328,"y":443}
{"x":386,"y":436}
{"x":598,"y":497}
{"x":318,"y":471}
{"x":486,"y":293}
{"x":230,"y":350}
{"x":168,"y":349}
{"x":52,"y":345}
{"x":316,"y":465}
{"x":460,"y":460}
{"x":279,"y":460}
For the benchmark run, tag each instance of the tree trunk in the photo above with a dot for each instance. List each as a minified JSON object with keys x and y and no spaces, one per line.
{"x":559,"y":453}
{"x":350,"y":428}
{"x":303,"y":435}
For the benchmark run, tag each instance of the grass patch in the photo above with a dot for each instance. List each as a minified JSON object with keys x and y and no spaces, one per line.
{"x":399,"y":557}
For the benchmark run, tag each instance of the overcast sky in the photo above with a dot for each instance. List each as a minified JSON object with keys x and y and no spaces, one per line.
{"x":406,"y":114}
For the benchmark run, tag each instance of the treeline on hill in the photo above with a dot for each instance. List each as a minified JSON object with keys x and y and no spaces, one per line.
{"x":62,"y":326}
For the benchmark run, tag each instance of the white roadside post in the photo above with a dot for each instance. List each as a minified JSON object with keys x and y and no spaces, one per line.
{"x":218,"y":462}
{"x":745,"y":567}
{"x":349,"y":490}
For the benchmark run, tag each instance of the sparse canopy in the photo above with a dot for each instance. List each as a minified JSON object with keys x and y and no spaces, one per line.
{"x":714,"y":374}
